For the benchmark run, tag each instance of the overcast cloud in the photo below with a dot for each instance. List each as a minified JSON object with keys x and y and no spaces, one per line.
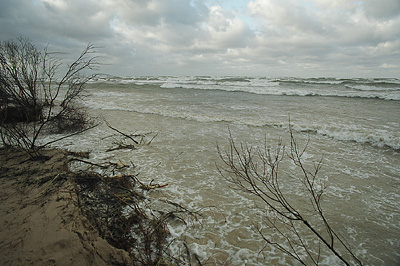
{"x":306,"y":38}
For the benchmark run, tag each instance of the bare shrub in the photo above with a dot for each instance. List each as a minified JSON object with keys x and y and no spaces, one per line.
{"x":71,"y":119}
{"x":31,"y":97}
{"x":255,"y":170}
{"x":19,"y":78}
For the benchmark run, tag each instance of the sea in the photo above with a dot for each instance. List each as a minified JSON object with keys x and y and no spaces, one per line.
{"x":351,"y":125}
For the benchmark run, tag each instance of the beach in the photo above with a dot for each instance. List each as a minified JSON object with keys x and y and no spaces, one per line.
{"x":351,"y":126}
{"x":41,"y":222}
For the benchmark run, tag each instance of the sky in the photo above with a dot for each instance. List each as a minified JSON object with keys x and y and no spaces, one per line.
{"x":297,"y":38}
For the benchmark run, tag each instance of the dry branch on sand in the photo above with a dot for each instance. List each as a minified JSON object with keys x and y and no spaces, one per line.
{"x":41,"y":222}
{"x":114,"y":205}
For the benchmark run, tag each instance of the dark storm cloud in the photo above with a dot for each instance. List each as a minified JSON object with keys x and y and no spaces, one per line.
{"x":382,"y":9}
{"x":183,"y":37}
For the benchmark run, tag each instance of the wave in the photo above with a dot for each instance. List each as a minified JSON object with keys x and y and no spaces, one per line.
{"x":380,"y":138}
{"x":340,"y":132}
{"x":374,"y":87}
{"x":233,"y":79}
{"x":177,"y":97}
{"x":377,"y":82}
{"x":385,"y":89}
{"x":392,"y":94}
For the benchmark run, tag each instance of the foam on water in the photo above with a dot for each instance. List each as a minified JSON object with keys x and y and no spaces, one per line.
{"x":244,"y":114}
{"x":358,"y":138}
{"x":387,"y":89}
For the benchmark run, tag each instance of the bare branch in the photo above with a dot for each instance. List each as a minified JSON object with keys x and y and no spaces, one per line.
{"x":255,"y":170}
{"x":29,"y":88}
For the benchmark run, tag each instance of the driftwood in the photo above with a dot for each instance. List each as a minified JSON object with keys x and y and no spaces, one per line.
{"x":117,"y":206}
{"x":122,"y":133}
{"x":114,"y":165}
{"x":129,"y":141}
{"x":150,"y":186}
{"x":141,"y":231}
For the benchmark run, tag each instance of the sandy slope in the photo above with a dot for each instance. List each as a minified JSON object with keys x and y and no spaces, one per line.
{"x":40,"y":223}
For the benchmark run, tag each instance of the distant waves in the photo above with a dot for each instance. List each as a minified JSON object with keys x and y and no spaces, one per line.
{"x":385,"y":89}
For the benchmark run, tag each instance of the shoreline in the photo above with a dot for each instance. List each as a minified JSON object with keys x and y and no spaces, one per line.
{"x":41,"y":221}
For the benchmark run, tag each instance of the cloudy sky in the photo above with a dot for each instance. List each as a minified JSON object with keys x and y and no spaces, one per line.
{"x":301,"y":38}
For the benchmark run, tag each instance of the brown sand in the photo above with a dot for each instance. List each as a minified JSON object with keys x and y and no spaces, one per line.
{"x":40,"y":222}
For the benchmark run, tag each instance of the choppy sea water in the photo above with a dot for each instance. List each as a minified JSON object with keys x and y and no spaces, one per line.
{"x":353,"y":124}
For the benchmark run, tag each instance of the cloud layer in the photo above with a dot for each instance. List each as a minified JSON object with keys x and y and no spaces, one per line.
{"x":217,"y":37}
